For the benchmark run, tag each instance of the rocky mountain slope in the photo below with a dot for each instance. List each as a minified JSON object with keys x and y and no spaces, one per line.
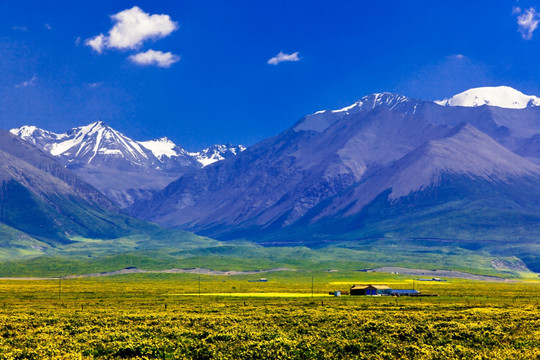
{"x":386,"y":166}
{"x":123,"y":169}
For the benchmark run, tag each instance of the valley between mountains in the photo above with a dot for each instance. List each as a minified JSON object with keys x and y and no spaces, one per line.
{"x":389,"y":180}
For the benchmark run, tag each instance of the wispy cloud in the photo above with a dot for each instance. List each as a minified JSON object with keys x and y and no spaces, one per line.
{"x":527,"y":21}
{"x":131,"y":28}
{"x":48,"y":27}
{"x":20,"y":28}
{"x":95,"y":85}
{"x":157,"y":58}
{"x":281,"y":57}
{"x":28,"y":83}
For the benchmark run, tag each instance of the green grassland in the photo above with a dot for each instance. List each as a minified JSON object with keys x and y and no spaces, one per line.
{"x":184,"y":250}
{"x":149,"y":316}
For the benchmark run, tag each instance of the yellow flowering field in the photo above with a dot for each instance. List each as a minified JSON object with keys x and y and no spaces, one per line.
{"x":151,"y":317}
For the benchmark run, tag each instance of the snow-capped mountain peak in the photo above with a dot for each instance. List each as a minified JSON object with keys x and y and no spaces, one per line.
{"x":87,"y":142}
{"x":500,"y":96}
{"x":97,"y":142}
{"x":122,"y":168}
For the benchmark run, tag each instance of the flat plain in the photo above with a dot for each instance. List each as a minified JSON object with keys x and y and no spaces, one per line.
{"x":152,"y":316}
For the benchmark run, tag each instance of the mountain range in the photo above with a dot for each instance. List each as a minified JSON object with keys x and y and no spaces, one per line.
{"x":387,"y":169}
{"x":387,"y":166}
{"x":123,"y":169}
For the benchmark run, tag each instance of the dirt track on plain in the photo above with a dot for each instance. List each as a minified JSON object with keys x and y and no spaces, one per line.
{"x":134,"y":270}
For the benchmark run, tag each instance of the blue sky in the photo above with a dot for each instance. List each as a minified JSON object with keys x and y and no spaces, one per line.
{"x":207,"y":78}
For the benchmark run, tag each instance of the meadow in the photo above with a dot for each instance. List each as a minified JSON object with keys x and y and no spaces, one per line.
{"x":152,"y":316}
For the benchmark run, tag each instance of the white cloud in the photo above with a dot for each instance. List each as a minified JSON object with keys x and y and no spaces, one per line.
{"x":283,"y":57}
{"x":527,"y":21}
{"x":20,"y":28}
{"x":48,"y":27}
{"x":28,"y":83}
{"x":97,"y":43}
{"x":78,"y":41}
{"x":157,"y":58}
{"x":131,"y":28}
{"x":95,"y":85}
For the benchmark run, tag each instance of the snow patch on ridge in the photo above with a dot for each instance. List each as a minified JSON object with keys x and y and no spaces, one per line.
{"x":216,"y":153}
{"x":322,"y":119}
{"x":161,"y":147}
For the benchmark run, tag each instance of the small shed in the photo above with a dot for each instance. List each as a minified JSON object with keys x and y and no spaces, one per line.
{"x":370,"y":290}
